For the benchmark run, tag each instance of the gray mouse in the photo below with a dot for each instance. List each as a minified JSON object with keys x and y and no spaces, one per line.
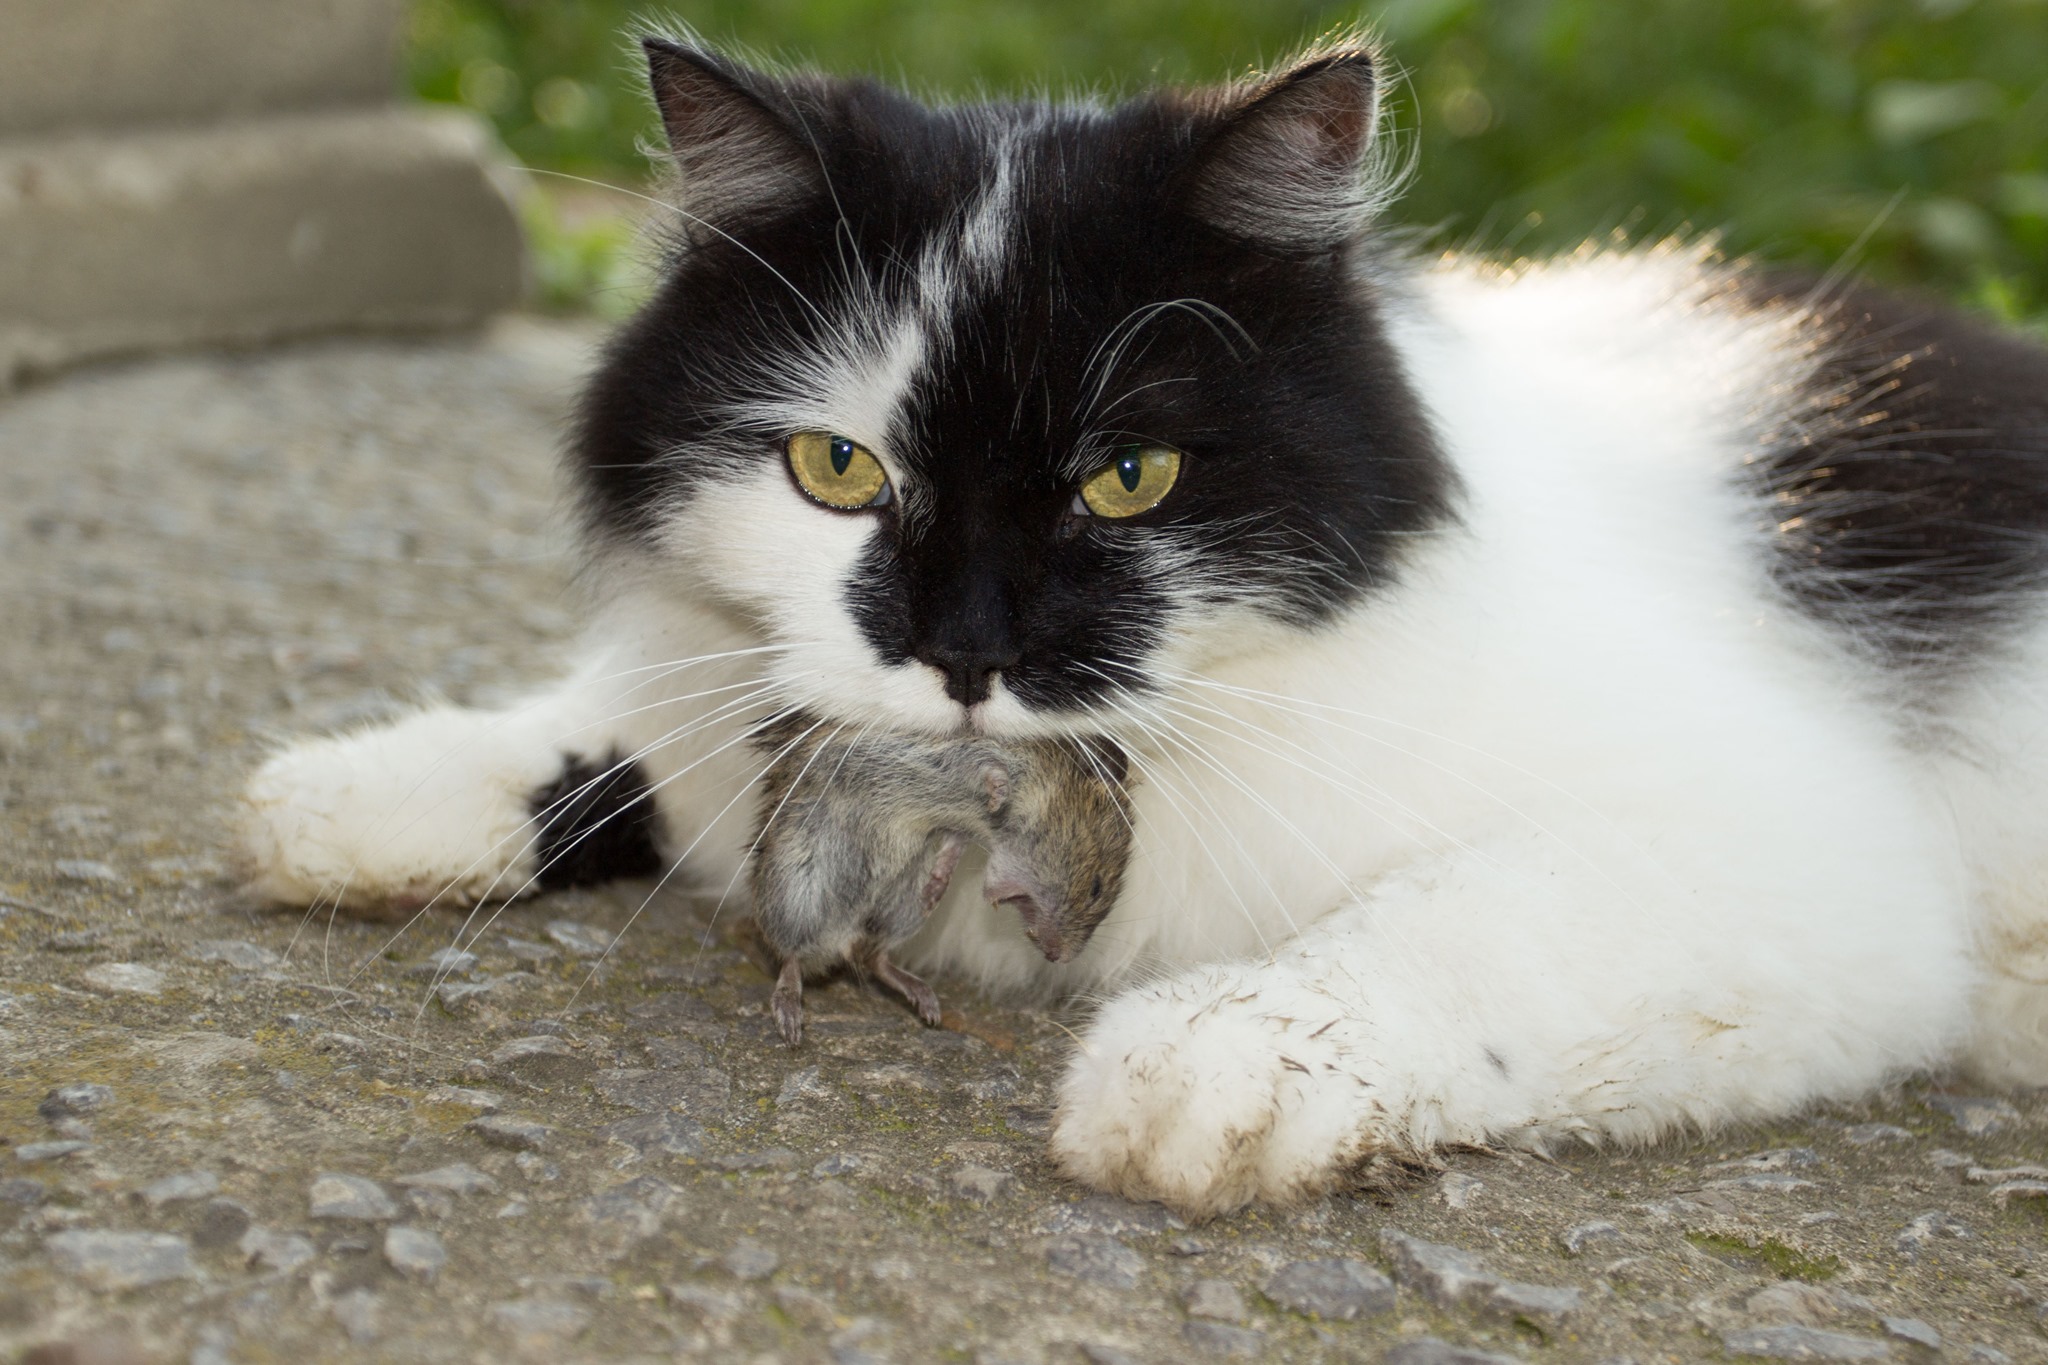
{"x":860,"y":837}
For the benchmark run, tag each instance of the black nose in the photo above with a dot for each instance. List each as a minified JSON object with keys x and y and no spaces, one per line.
{"x":969,"y":670}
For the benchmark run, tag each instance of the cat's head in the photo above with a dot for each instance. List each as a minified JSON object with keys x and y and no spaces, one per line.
{"x":1003,"y":414}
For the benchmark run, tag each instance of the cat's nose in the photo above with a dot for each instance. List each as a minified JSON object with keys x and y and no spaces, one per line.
{"x":969,"y":670}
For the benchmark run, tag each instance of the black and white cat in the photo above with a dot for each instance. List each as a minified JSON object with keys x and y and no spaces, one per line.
{"x":1588,"y":698}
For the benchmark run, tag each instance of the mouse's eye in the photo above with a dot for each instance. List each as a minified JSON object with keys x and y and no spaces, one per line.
{"x":1096,"y":889}
{"x":837,"y":472}
{"x":1135,"y":481}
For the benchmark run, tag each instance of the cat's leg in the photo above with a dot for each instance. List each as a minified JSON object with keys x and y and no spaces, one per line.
{"x":449,"y":805}
{"x":1509,"y":994}
{"x":622,"y":765}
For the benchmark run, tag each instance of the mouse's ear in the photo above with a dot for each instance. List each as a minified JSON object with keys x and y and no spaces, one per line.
{"x":1106,"y":759}
{"x":741,"y":147}
{"x":995,"y":785}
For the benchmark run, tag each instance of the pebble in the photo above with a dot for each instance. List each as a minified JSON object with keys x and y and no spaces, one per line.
{"x":1777,"y":1159}
{"x":87,"y":870}
{"x":1105,"y":1213}
{"x":237,"y":953}
{"x":709,"y":1304}
{"x":1811,"y":1305}
{"x":1218,"y":1299}
{"x":1864,"y":1134}
{"x":350,"y":1198}
{"x":122,"y":978}
{"x":766,"y":1159}
{"x":1435,"y":1351}
{"x":444,"y":962}
{"x":1802,"y":1343}
{"x":75,"y":1101}
{"x":459,"y":995}
{"x":1987,"y":1355}
{"x":1447,"y":1277}
{"x":1102,"y":1353}
{"x":121,"y":1260}
{"x":981,"y":1184}
{"x":1942,"y":1159}
{"x":2019,"y":1189}
{"x":176,"y":1189}
{"x":749,"y":1260}
{"x":627,"y":1214}
{"x":357,"y":1313}
{"x":221,"y":1224}
{"x":1975,"y":1115}
{"x":1335,"y":1290}
{"x":578,"y":939}
{"x":1577,"y":1241}
{"x":1096,"y":1258}
{"x":458,"y":1178}
{"x":1772,"y":1182}
{"x":1916,"y":1235}
{"x":700,"y":1093}
{"x":1457,"y":1190}
{"x":51,"y":1151}
{"x":415,"y":1253}
{"x":534,"y":1166}
{"x":805,"y":1083}
{"x":463,"y":1097}
{"x":1912,"y":1331}
{"x":900,"y":1076}
{"x":1222,"y":1339}
{"x":517,"y":1135}
{"x":537,"y":1324}
{"x":22,"y":1192}
{"x":839,"y":1163}
{"x":1980,"y":1175}
{"x":655,"y":1135}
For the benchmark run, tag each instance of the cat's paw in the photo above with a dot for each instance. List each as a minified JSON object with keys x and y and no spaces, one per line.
{"x":1214,"y":1090}
{"x":387,"y":820}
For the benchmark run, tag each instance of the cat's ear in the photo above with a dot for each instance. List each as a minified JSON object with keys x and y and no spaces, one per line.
{"x":1287,"y":163}
{"x":738,"y":155}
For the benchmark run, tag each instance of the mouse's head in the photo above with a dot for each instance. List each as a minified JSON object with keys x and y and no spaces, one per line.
{"x":1062,"y":840}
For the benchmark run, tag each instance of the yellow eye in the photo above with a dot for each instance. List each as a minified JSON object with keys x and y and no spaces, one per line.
{"x":837,"y":472}
{"x":1133,"y":482}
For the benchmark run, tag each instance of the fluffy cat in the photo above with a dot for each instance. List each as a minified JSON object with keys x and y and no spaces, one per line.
{"x":1583,"y":699}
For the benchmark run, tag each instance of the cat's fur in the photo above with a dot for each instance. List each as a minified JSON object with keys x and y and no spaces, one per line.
{"x":1589,"y":699}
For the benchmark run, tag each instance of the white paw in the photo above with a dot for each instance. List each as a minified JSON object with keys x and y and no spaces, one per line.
{"x":1219,"y":1088}
{"x":426,"y":810}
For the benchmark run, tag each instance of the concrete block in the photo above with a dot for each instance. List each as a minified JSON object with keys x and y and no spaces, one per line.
{"x":246,"y":232}
{"x":109,"y":63}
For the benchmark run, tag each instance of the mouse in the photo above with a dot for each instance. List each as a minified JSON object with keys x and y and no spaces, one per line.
{"x":859,"y":838}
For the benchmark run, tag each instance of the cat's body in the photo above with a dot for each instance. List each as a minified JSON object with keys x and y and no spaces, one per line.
{"x":1588,"y":699}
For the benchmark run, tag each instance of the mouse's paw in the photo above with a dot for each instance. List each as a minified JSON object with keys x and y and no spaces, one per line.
{"x":1215,"y":1089}
{"x":788,"y":1002}
{"x":911,"y":987}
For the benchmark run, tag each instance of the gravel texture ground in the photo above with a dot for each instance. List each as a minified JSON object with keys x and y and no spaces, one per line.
{"x":243,"y":1135}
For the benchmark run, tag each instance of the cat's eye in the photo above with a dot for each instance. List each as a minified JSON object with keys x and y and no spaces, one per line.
{"x":1133,"y":482}
{"x":836,"y":471}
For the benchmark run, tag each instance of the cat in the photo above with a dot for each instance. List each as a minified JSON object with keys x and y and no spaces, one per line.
{"x":1587,"y":699}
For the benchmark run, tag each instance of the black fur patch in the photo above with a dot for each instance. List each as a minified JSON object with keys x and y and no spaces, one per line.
{"x":598,"y":822}
{"x":1126,"y":308}
{"x":1910,"y":491}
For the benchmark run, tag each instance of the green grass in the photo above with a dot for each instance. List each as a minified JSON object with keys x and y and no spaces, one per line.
{"x":1913,"y":131}
{"x":1768,"y":1253}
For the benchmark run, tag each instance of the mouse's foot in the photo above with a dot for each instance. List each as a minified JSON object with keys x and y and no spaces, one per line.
{"x":921,"y":996}
{"x":788,"y":1001}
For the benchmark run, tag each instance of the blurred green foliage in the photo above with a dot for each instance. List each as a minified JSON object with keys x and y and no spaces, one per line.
{"x":1797,"y":128}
